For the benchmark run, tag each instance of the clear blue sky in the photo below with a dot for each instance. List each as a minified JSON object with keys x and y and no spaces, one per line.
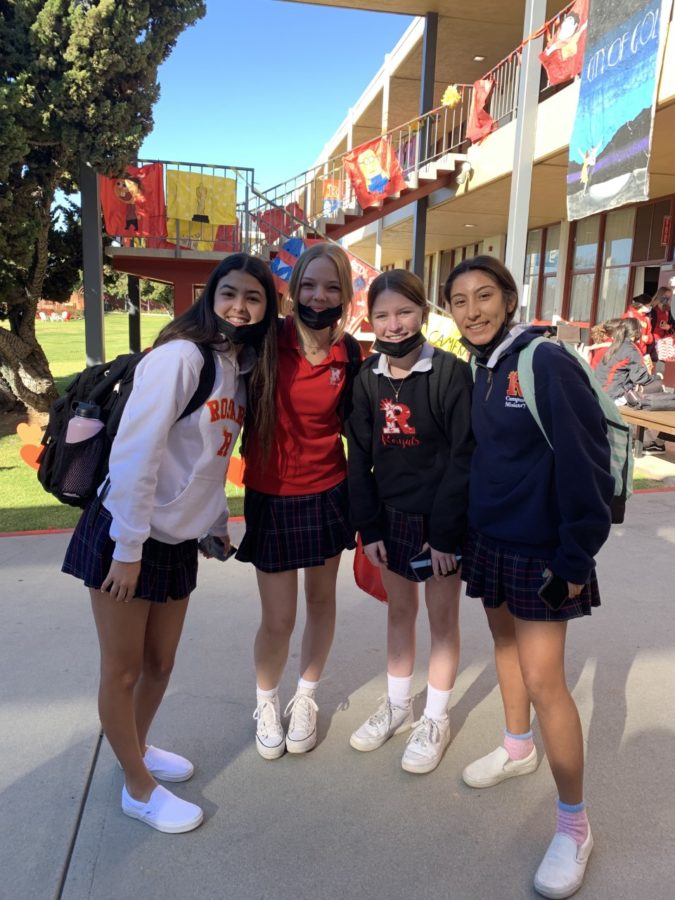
{"x":264,"y":83}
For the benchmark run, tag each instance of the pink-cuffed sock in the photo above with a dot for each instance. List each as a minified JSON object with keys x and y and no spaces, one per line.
{"x":573,"y":820}
{"x":518,"y":746}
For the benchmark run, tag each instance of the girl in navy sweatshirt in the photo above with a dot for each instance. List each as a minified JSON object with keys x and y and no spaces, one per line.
{"x":537,"y":518}
{"x":410,"y":447}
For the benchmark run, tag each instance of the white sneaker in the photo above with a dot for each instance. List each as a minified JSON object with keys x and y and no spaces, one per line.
{"x":426,"y":745}
{"x":163,"y":811}
{"x":167,"y":766}
{"x":269,"y":735}
{"x":301,"y":735}
{"x":496,"y":767}
{"x":385,"y":722}
{"x":562,"y":869}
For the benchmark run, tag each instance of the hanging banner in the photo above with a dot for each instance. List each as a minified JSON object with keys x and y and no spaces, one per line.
{"x":276,"y":223}
{"x":133,"y":204}
{"x":480,"y":122}
{"x":611,"y":138}
{"x":205,"y":199}
{"x":563,"y":56}
{"x":442,"y":332}
{"x":331,"y":195}
{"x":374,"y":172}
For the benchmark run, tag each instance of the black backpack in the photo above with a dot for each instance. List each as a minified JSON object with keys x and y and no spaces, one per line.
{"x":73,"y":472}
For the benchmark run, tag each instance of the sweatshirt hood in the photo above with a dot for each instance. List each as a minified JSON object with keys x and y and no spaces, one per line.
{"x":517,"y":338}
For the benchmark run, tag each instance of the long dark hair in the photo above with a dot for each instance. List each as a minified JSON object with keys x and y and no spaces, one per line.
{"x":493,"y":267}
{"x":200,"y":325}
{"x":620,"y":331}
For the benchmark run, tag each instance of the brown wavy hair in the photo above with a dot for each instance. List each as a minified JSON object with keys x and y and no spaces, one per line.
{"x":200,"y":325}
{"x":402,"y":282}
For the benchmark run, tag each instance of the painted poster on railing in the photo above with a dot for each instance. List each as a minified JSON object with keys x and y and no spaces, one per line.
{"x":133,"y":204}
{"x":196,"y":197}
{"x":374,"y":172}
{"x":480,"y":122}
{"x":611,"y":138}
{"x":563,"y":55}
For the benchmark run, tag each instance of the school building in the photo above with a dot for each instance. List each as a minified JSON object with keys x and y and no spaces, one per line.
{"x":505,"y":192}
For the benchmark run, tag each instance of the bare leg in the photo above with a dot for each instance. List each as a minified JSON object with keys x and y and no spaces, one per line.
{"x":162,"y":633}
{"x":278,"y":597}
{"x":507,"y":660}
{"x":121,"y":633}
{"x":541,"y":646}
{"x":401,"y":617}
{"x":320,"y":624}
{"x":442,"y":599}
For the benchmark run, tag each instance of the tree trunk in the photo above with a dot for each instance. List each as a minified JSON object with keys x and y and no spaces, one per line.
{"x":24,"y":369}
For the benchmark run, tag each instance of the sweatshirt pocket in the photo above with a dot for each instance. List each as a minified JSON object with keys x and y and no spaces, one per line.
{"x":193,"y":511}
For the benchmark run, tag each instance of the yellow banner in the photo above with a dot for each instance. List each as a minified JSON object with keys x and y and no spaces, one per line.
{"x":442,"y":332}
{"x":204,"y":199}
{"x":193,"y":235}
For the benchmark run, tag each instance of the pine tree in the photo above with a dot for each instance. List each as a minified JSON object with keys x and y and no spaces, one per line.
{"x":78,"y":80}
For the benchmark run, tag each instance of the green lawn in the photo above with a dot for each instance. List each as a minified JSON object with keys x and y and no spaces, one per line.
{"x":24,"y":505}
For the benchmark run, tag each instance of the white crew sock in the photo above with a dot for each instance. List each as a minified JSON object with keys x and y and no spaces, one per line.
{"x":307,"y":687}
{"x":266,"y":695}
{"x":398,"y":689}
{"x":437,"y":703}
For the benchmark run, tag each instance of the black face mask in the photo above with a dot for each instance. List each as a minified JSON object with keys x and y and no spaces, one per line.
{"x":243,"y":334}
{"x":318,"y":320}
{"x":397,"y":349}
{"x":484,"y":351}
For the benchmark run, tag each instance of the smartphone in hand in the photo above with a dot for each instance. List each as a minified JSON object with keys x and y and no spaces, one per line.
{"x":554,"y":590}
{"x":213,"y":546}
{"x":422,"y":568}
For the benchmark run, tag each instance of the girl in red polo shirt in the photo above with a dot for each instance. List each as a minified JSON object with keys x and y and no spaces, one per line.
{"x":296,"y":504}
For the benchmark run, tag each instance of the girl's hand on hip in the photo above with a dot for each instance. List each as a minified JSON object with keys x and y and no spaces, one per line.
{"x":376,"y":553}
{"x":121,"y":580}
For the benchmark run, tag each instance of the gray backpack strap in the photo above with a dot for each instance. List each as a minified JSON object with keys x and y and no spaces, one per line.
{"x":526,"y":382}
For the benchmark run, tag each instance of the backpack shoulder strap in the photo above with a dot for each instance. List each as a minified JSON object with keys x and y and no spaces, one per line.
{"x":207,"y":378}
{"x":442,"y":367}
{"x":526,"y":382}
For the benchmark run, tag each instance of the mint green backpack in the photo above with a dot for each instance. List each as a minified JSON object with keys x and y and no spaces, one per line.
{"x":618,"y":432}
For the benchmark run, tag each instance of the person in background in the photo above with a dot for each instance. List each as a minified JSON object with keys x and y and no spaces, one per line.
{"x":296,"y":504}
{"x":663,"y":324}
{"x":640,"y":308}
{"x":408,"y":469}
{"x":538,"y":515}
{"x":135,"y":545}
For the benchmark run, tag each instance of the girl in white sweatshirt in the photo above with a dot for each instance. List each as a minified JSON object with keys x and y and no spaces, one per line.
{"x":135,"y":546}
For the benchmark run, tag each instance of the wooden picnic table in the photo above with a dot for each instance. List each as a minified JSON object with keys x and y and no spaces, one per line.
{"x":659,"y":420}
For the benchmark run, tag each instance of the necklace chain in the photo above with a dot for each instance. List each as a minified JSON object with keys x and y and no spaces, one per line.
{"x":396,"y":391}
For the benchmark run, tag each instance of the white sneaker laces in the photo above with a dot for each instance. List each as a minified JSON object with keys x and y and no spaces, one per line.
{"x":302,"y":709}
{"x":267,"y":717}
{"x":382,"y":716}
{"x":426,"y":732}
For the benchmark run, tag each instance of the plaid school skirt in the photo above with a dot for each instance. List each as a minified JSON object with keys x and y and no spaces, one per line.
{"x":168,"y":571}
{"x":284,"y":533}
{"x":405,"y":534}
{"x":497,"y":576}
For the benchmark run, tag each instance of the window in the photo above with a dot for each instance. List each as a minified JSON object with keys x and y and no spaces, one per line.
{"x":541,"y":272}
{"x":584,"y":261}
{"x":617,"y":245}
{"x":532,"y":268}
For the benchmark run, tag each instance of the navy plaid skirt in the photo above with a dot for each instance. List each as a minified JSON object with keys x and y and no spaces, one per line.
{"x":168,"y":571}
{"x":405,"y":535}
{"x":501,"y":576}
{"x":284,"y":533}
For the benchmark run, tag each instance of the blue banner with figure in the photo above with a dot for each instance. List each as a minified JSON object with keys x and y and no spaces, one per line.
{"x":611,"y":138}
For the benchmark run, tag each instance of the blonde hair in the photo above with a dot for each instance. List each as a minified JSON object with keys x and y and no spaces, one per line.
{"x":344,"y":270}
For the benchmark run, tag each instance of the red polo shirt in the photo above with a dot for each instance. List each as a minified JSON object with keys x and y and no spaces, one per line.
{"x":307,"y":456}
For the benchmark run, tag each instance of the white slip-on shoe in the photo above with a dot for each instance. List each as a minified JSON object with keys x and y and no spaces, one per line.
{"x":163,"y":811}
{"x":496,"y":767}
{"x":426,"y":745}
{"x":301,"y":735}
{"x":385,"y":722}
{"x":269,"y":735}
{"x":562,"y":869}
{"x":167,"y":766}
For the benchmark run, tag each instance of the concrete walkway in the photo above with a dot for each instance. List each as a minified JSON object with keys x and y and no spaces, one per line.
{"x":333,"y":824}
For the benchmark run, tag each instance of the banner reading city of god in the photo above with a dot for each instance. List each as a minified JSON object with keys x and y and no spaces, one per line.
{"x":611,"y":138}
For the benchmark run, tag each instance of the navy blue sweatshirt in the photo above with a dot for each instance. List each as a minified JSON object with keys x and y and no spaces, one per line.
{"x":548,"y":504}
{"x":400,"y":456}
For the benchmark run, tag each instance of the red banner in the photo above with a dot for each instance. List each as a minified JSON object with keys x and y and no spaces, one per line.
{"x":374,"y":171}
{"x":564,"y":53}
{"x":133,"y":204}
{"x":480,"y":122}
{"x":276,"y":223}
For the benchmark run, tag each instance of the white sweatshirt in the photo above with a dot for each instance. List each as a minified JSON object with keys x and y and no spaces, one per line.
{"x":167,"y":477}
